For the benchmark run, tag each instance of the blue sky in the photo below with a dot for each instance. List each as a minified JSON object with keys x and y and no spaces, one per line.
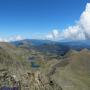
{"x":27,"y":17}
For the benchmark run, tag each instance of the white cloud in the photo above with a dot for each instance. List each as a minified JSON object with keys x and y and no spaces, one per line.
{"x":80,"y":31}
{"x":54,"y":35}
{"x":11,"y":38}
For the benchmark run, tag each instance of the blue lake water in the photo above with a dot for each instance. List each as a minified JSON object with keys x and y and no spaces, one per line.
{"x":34,"y":65}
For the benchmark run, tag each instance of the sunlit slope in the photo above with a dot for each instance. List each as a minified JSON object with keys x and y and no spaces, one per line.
{"x":13,"y":59}
{"x":76,"y":75}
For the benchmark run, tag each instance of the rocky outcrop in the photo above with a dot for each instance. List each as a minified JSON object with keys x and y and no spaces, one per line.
{"x":8,"y":81}
{"x":29,"y":81}
{"x":38,"y":81}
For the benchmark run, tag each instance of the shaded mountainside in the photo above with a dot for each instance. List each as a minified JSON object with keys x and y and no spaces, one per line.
{"x":24,"y":68}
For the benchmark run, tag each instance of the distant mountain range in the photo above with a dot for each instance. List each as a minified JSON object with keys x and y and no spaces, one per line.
{"x":55,"y":47}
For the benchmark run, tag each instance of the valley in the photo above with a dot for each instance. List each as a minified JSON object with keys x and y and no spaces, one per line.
{"x":50,"y":66}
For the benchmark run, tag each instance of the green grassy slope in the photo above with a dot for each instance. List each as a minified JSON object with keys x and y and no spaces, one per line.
{"x":76,"y":75}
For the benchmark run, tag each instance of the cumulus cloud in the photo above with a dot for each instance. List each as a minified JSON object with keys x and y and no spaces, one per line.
{"x":11,"y":38}
{"x":80,"y":31}
{"x":53,"y":35}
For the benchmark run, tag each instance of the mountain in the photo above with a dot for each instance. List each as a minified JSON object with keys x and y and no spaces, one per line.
{"x":17,"y":71}
{"x":77,"y":45}
{"x":12,"y":57}
{"x":25,"y":66}
{"x":34,"y":42}
{"x":52,"y":47}
{"x":76,"y":74}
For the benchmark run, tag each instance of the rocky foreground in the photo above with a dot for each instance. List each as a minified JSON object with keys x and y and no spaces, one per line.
{"x":28,"y":81}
